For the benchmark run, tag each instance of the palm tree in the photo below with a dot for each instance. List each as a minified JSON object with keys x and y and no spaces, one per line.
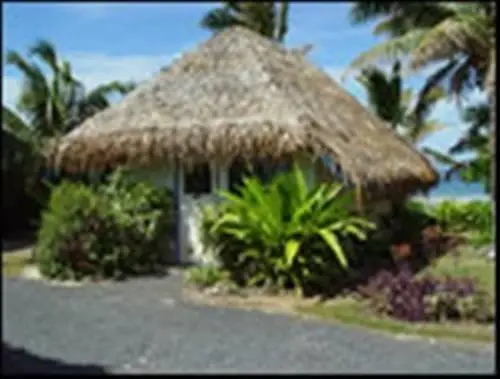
{"x":461,"y":36}
{"x":269,"y":19}
{"x":393,"y":104}
{"x":475,"y":143}
{"x":49,"y":106}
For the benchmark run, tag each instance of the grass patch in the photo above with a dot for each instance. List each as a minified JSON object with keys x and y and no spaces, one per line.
{"x":465,"y":262}
{"x":351,"y":312}
{"x":13,"y":262}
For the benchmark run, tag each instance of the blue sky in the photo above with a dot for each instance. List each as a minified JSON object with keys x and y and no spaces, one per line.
{"x":132,"y":41}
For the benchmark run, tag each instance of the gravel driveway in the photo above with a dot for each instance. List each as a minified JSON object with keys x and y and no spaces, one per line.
{"x":143,"y":326}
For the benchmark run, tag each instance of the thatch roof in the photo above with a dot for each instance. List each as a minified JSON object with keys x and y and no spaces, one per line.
{"x":242,"y":95}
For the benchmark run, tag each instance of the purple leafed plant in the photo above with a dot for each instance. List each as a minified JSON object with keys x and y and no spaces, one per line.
{"x":405,"y":297}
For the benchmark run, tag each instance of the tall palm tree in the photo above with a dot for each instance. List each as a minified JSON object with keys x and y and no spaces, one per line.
{"x":410,"y":27}
{"x":393,"y":104}
{"x":461,"y":36}
{"x":48,"y":106}
{"x":51,"y":105}
{"x":267,"y":18}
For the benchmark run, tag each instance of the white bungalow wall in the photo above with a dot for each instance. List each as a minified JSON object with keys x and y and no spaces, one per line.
{"x":190,"y":245}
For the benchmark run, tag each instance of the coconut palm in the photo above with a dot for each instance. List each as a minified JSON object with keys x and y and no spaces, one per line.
{"x":411,"y":27}
{"x":394,"y":104}
{"x":48,"y":106}
{"x":51,"y":105}
{"x":460,"y":36}
{"x":269,"y":19}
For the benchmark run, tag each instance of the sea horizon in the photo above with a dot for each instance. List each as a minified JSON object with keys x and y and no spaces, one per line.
{"x":455,"y":189}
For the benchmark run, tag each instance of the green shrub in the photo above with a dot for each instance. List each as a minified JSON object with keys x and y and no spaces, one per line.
{"x":284,"y":234}
{"x":480,"y":239}
{"x":477,"y":307}
{"x":473,"y":217}
{"x":464,"y":216}
{"x":110,"y":230}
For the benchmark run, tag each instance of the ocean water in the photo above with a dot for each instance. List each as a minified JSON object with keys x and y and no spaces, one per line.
{"x":456,"y":189}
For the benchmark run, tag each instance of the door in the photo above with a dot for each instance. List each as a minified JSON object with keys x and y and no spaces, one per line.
{"x":198,"y":190}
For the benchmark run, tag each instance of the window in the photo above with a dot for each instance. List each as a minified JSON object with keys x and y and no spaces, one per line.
{"x":262,"y":169}
{"x":197,"y":179}
{"x":237,"y":172}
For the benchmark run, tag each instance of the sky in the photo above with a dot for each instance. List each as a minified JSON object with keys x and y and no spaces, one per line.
{"x":132,"y":41}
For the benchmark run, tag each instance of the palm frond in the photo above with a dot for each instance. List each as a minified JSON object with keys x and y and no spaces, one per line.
{"x":391,"y":50}
{"x":421,"y":131}
{"x":477,"y":115}
{"x":99,"y":95}
{"x":383,"y":93}
{"x":454,"y":165}
{"x":47,"y":53}
{"x":432,"y":81}
{"x":467,"y":30}
{"x":14,"y":124}
{"x":219,"y":19}
{"x":364,"y":11}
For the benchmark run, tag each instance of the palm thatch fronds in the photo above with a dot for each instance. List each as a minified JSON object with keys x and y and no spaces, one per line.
{"x":240,"y":95}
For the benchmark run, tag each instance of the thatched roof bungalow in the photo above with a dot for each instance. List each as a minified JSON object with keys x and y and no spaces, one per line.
{"x":240,"y":95}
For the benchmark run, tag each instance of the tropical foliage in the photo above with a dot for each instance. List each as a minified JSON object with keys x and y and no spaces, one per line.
{"x":460,"y":37}
{"x":395,"y":105}
{"x":48,"y":106}
{"x":284,"y":234}
{"x":113,"y":230}
{"x":474,"y":219}
{"x":406,"y":297}
{"x":269,"y":19}
{"x":424,"y":33}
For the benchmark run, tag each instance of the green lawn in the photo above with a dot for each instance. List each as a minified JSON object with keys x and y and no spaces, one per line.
{"x":352,"y":312}
{"x":466,"y":263}
{"x":13,"y":262}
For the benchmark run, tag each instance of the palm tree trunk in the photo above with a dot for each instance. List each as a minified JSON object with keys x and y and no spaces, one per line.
{"x":281,"y":25}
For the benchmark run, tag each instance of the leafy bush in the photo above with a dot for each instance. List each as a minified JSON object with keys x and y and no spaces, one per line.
{"x":464,"y":216}
{"x":406,"y":297}
{"x":284,"y":234}
{"x":473,"y":217}
{"x":409,"y":232}
{"x":110,"y":230}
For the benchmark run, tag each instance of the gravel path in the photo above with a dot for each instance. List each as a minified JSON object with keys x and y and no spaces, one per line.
{"x":143,"y":326}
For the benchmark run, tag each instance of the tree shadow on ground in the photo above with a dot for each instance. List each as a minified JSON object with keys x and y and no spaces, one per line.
{"x":20,"y":361}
